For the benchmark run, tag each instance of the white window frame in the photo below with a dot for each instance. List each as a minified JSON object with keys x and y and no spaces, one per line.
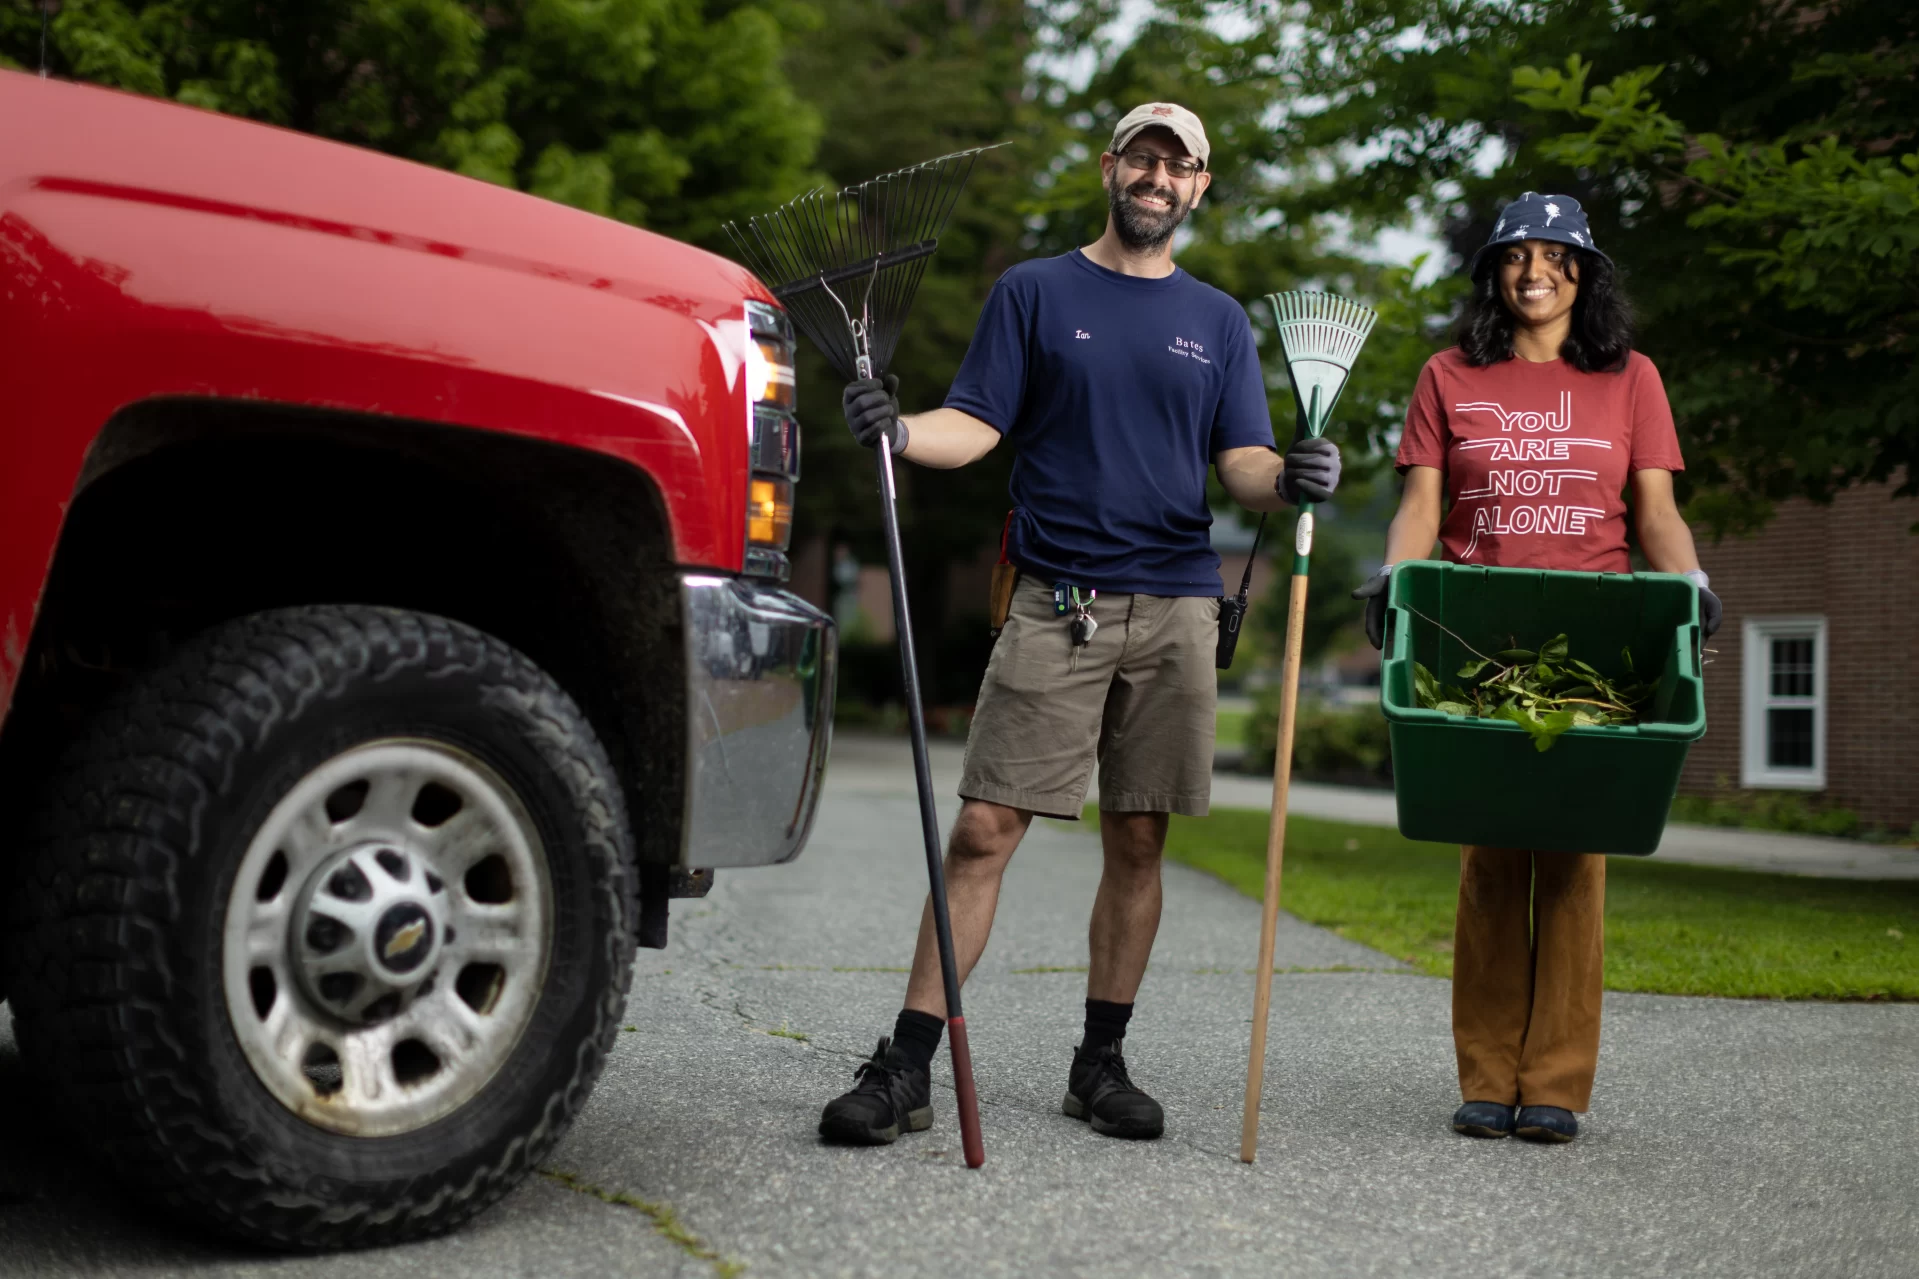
{"x":1755,"y":660}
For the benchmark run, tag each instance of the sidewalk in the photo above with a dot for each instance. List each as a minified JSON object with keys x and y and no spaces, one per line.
{"x":866,"y":761}
{"x":1698,"y":845}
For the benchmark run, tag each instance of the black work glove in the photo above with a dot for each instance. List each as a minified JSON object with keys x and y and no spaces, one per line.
{"x":1710,"y":609}
{"x":1373,"y":591}
{"x":873,"y":411}
{"x":1311,"y":473}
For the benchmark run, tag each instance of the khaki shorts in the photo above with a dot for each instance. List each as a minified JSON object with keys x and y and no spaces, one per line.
{"x":1141,"y":699}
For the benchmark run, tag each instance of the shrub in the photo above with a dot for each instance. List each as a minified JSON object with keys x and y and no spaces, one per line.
{"x":950,"y":666}
{"x":853,"y":715}
{"x":1778,"y":810}
{"x":1346,"y":745}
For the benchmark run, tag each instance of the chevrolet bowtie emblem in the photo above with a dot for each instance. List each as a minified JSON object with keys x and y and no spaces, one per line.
{"x":405,"y":939}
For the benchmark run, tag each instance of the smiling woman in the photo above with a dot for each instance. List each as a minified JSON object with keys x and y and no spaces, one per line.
{"x":1533,"y":427}
{"x":1544,"y":300}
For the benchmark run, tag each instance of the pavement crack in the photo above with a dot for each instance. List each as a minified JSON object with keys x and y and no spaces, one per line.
{"x":747,"y":1022}
{"x":666,"y":1222}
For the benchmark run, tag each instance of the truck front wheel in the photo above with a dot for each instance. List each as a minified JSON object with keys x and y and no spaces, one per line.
{"x":328,"y":928}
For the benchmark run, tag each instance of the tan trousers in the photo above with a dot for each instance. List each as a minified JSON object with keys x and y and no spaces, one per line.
{"x":1528,"y":968}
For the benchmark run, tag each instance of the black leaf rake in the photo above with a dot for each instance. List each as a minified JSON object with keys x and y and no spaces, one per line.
{"x":846,"y":265}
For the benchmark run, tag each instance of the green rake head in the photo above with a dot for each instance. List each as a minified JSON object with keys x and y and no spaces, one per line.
{"x":1321,"y":336}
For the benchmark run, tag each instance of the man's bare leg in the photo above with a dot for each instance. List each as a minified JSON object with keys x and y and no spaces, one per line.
{"x":1120,"y":938}
{"x":893,"y":1094}
{"x":984,"y":837}
{"x":1126,"y":909}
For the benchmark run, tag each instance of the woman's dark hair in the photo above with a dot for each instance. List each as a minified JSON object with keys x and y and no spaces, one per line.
{"x":1601,"y":336}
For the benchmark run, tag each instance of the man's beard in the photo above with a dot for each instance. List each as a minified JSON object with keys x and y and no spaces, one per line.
{"x":1142,"y":229}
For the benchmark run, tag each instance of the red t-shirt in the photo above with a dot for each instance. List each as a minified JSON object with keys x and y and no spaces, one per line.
{"x":1536,"y":457}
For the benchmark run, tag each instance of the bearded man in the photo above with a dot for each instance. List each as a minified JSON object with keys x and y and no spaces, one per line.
{"x":1119,"y":378}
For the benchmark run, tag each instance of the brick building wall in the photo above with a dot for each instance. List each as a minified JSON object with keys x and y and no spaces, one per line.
{"x":1853,"y":563}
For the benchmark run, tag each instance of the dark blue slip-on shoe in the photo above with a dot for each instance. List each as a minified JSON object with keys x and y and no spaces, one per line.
{"x":1483,"y":1119}
{"x":1546,"y":1123}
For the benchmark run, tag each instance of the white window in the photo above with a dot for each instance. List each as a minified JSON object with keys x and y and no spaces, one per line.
{"x":1783,"y":703}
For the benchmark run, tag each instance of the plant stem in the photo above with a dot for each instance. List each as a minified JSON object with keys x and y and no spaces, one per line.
{"x":1455,"y":634}
{"x":1587,"y":701}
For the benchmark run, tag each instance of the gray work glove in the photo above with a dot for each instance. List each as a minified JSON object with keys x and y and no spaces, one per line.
{"x":1373,"y":591}
{"x":1311,"y":473}
{"x":873,"y":411}
{"x":1710,"y":609}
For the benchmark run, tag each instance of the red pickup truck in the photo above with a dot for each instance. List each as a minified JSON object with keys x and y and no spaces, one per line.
{"x":391,"y":621}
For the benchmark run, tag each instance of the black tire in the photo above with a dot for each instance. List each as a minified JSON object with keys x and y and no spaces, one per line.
{"x":117,"y":937}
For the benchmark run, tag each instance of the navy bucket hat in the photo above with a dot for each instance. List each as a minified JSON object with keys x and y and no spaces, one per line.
{"x":1538,"y":217}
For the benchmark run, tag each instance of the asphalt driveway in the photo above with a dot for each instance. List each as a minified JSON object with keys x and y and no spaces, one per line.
{"x":1726,"y":1138}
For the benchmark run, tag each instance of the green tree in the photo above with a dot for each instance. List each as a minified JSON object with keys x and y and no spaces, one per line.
{"x":1813,"y":222}
{"x":896,"y":83}
{"x":1264,"y":225}
{"x":1400,"y":108}
{"x":673,"y":114}
{"x":1333,"y":616}
{"x":900,"y":82}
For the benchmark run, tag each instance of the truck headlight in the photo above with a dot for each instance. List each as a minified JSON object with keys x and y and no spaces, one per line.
{"x":774,"y":440}
{"x":769,"y":374}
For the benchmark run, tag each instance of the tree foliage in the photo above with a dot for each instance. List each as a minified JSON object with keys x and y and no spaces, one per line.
{"x":1769,"y":279}
{"x":896,"y":83}
{"x":673,"y":114}
{"x":1263,"y":226}
{"x":899,"y":82}
{"x":1819,"y":226}
{"x":1764,"y":204}
{"x":1333,"y":617}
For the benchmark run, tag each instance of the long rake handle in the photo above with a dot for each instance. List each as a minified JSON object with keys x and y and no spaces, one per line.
{"x":971,"y":1142}
{"x":1275,"y":855}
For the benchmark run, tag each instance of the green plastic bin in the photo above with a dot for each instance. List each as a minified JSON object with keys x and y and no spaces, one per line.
{"x":1463,"y":780}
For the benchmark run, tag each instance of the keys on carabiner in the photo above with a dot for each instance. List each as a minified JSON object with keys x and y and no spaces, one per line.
{"x":1081,"y":629}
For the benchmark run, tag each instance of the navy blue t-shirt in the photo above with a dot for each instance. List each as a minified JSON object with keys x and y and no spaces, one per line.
{"x":1117,"y":391}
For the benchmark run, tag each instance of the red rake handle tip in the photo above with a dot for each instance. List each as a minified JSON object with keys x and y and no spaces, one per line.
{"x":970,"y":1140}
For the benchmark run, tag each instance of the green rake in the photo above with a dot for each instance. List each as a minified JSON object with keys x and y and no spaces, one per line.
{"x":1321,"y":335}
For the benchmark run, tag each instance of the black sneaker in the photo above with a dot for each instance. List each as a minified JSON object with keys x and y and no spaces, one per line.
{"x":1546,"y":1123}
{"x":1099,"y":1090}
{"x":892,"y":1095}
{"x":1483,"y":1119}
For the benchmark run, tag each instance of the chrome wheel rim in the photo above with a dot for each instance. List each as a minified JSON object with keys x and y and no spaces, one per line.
{"x":387,"y":937}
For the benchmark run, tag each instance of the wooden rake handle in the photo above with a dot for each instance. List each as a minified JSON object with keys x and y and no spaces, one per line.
{"x":1275,"y":855}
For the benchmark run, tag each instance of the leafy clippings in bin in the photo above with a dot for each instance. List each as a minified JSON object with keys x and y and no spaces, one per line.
{"x":1545,"y":690}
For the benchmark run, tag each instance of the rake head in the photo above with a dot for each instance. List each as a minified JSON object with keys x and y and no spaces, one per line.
{"x":846,"y":264}
{"x":1321,"y":336}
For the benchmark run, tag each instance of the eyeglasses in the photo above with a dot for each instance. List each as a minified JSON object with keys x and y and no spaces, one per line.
{"x":1176,"y":166}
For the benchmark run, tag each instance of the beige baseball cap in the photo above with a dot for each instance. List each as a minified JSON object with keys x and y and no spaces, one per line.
{"x":1166,"y":115}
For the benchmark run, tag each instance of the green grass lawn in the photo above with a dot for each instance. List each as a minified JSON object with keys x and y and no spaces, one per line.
{"x":1670,"y":929}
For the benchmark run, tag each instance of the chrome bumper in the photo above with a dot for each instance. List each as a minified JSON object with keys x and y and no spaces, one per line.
{"x":760,"y":667}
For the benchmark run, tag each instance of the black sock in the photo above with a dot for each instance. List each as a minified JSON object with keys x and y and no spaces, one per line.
{"x":917,"y":1036}
{"x":1105,"y":1023}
